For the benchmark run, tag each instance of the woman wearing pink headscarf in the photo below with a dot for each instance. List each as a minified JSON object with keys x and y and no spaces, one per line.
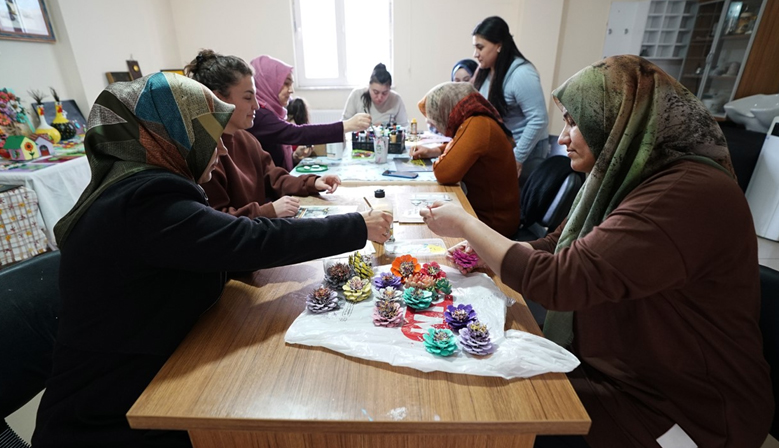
{"x":273,"y":81}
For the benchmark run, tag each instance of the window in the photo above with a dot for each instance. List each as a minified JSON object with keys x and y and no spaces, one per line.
{"x":338,"y":42}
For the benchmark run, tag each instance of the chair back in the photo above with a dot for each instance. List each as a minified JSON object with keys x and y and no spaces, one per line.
{"x":769,"y":317}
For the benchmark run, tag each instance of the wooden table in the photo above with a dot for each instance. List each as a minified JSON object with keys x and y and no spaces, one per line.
{"x":234,"y":382}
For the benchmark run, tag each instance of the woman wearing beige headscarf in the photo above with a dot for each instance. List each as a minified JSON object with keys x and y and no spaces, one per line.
{"x":479,"y":154}
{"x":653,"y":279}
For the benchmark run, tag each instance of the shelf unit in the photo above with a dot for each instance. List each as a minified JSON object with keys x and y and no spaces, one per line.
{"x":669,"y":26}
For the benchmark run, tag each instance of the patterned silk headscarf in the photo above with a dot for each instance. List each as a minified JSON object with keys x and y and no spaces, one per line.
{"x":636,"y":120}
{"x":448,"y":104}
{"x":162,"y":120}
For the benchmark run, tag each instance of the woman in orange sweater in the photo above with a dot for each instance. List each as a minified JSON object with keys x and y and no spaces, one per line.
{"x":479,"y":155}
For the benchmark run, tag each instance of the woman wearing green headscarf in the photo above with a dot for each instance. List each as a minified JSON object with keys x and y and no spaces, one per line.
{"x":143,"y":256}
{"x":653,"y":279}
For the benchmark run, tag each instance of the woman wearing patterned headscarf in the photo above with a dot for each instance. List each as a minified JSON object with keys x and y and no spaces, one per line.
{"x":143,"y":256}
{"x":479,"y":154}
{"x":653,"y":278}
{"x":273,"y":81}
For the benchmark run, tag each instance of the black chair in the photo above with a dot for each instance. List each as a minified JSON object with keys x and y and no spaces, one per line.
{"x":547,"y":197}
{"x":769,"y":316}
{"x":29,"y":306}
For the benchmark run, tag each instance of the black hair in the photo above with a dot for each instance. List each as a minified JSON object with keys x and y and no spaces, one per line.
{"x":381,"y":76}
{"x":496,"y":30}
{"x":469,"y":65}
{"x":216,"y":71}
{"x":298,"y":110}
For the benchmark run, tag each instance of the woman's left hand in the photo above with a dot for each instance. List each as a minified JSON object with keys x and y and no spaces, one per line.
{"x":445,"y":219}
{"x":327,"y":183}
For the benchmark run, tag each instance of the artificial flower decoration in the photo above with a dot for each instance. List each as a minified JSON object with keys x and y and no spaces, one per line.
{"x":361,"y":266}
{"x":337,"y":273}
{"x":387,"y":314}
{"x":420,"y":281}
{"x":386,"y":279}
{"x":433,"y":269}
{"x":439,"y":342}
{"x":419,"y":299}
{"x":390,"y":293}
{"x":404,"y":266}
{"x":357,"y":289}
{"x":466,"y":261}
{"x":475,"y":339}
{"x":322,"y":300}
{"x":443,"y":287}
{"x":460,"y":316}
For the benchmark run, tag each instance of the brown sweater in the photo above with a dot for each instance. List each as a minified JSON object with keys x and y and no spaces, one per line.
{"x":246,"y":179}
{"x":667,"y":296}
{"x":480,"y":155}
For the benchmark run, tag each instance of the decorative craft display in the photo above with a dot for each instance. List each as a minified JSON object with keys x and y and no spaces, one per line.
{"x":387,"y":313}
{"x":321,"y":300}
{"x":420,"y":281}
{"x":361,"y":266}
{"x":433,"y":269}
{"x":440,"y":342}
{"x":45,"y":145}
{"x":404,"y":266}
{"x":443,"y":287}
{"x":13,"y":116}
{"x":390,"y":293}
{"x":386,"y":279}
{"x":337,"y":273}
{"x":66,"y":129}
{"x":475,"y":339}
{"x":459,"y":317}
{"x":44,"y":128}
{"x":466,"y":261}
{"x":357,"y":289}
{"x":20,"y":147}
{"x":418,"y":299}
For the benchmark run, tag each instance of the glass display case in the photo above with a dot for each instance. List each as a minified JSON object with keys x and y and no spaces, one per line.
{"x":718,"y":49}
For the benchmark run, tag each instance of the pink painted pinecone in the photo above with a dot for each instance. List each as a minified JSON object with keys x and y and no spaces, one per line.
{"x":387,"y":314}
{"x":466,"y":262}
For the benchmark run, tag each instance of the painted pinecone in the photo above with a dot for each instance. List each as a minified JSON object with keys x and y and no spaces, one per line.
{"x":322,"y":300}
{"x":419,"y":299}
{"x":443,"y":286}
{"x":386,"y":279}
{"x":357,"y":289}
{"x":337,"y":274}
{"x":361,"y":266}
{"x":460,"y":316}
{"x":439,"y":342}
{"x":465,"y":261}
{"x":387,"y":314}
{"x":433,"y":269}
{"x":420,"y":281}
{"x":475,"y":339}
{"x":390,"y":294}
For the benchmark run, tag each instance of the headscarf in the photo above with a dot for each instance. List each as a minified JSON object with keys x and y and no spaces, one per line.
{"x":162,"y":120}
{"x":637,"y":120}
{"x":449,"y":104}
{"x":469,"y":65}
{"x":269,"y":76}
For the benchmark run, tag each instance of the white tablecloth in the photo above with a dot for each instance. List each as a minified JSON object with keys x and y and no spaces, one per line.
{"x":58,"y":188}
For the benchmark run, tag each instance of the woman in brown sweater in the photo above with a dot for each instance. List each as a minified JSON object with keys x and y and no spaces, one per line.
{"x":479,"y":155}
{"x":653,"y":279}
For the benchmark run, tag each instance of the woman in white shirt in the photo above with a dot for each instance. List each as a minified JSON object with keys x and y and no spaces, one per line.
{"x":377,"y":99}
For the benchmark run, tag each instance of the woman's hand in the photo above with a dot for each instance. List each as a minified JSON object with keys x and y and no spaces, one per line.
{"x":286,"y":206}
{"x":359,"y":122}
{"x":425,"y":152}
{"x":327,"y":183}
{"x":301,"y":152}
{"x":378,"y":224}
{"x":519,"y":169}
{"x":445,"y":219}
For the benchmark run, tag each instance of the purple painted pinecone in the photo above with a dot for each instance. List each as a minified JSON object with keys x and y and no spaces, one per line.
{"x":322,"y":300}
{"x":386,"y":279}
{"x":460,"y":316}
{"x":475,"y":339}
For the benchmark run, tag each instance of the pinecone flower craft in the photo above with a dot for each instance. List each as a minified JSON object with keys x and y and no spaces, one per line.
{"x":443,"y":287}
{"x":361,"y":266}
{"x":433,"y":269}
{"x":322,"y":300}
{"x":357,"y":289}
{"x":418,"y":299}
{"x":404,"y":266}
{"x":460,"y":316}
{"x":420,"y":281}
{"x":386,"y":279}
{"x":439,"y":342}
{"x":475,"y":339}
{"x":390,"y":294}
{"x":465,"y":261}
{"x":337,"y":273}
{"x":387,"y":314}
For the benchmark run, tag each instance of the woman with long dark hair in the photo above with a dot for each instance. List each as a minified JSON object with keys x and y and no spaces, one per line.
{"x":511,"y":83}
{"x":377,"y":99}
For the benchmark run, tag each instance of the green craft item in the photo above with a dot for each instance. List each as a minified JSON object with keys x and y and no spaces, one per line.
{"x":311,"y":168}
{"x":418,"y":299}
{"x":440,"y":342}
{"x":443,"y":286}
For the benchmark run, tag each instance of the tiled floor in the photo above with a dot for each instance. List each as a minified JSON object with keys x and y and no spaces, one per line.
{"x":768,"y":253}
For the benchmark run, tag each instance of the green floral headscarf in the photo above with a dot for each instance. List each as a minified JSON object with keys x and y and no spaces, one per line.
{"x":636,"y":119}
{"x":162,"y":120}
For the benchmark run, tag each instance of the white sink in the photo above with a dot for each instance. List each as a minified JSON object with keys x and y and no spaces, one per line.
{"x":756,"y":112}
